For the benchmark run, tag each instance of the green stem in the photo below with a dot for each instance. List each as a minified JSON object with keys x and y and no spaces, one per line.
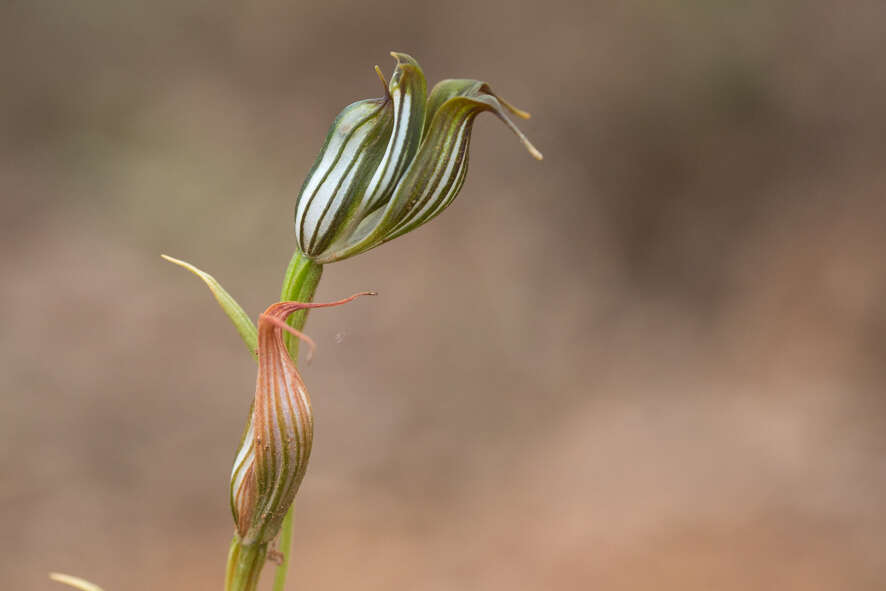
{"x":244,"y":565}
{"x":285,"y":545}
{"x":245,"y":562}
{"x":299,"y":285}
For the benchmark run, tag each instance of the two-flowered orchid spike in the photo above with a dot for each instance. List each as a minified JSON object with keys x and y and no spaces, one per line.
{"x":392,"y":164}
{"x":274,"y":453}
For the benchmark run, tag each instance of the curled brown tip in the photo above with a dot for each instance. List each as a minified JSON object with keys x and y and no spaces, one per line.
{"x":277,"y":314}
{"x":279,"y":323}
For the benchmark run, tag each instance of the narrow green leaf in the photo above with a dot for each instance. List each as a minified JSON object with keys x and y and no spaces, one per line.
{"x":235,"y":312}
{"x":75,"y":582}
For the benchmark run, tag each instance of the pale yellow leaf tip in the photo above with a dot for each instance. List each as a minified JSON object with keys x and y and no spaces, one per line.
{"x":75,"y":582}
{"x":206,"y":277}
{"x":182,"y":263}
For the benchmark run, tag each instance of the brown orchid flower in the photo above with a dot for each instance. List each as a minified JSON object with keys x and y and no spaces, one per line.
{"x":274,"y":453}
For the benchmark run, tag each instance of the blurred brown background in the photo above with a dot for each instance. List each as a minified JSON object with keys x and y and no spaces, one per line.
{"x":653,"y":361}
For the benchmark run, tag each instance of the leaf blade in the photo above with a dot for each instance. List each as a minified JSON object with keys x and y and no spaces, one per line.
{"x":229,"y":305}
{"x":75,"y":582}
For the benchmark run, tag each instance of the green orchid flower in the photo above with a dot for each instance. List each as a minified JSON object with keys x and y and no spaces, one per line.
{"x":394,"y":163}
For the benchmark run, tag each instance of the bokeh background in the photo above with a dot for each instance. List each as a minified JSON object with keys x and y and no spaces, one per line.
{"x":657,"y":360}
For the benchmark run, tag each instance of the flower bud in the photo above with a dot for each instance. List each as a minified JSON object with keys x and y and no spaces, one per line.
{"x":273,"y":456}
{"x":389,"y":165}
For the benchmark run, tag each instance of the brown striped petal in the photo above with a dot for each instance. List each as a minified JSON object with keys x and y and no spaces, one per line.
{"x":274,"y":453}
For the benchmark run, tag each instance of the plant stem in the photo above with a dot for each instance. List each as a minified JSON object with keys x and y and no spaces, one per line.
{"x":285,"y":545}
{"x":245,"y":562}
{"x":299,"y":285}
{"x":244,"y":565}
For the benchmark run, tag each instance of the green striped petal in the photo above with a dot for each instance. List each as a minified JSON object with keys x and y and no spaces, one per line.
{"x":338,"y":180}
{"x":408,"y":91}
{"x":367,"y":149}
{"x":437,"y":173}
